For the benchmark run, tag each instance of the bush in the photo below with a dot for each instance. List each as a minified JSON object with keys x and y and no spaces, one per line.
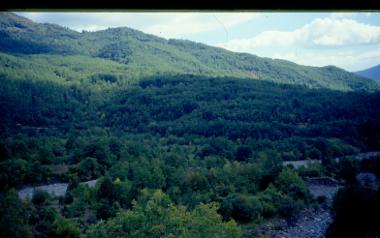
{"x":88,"y":168}
{"x":241,"y":207}
{"x":313,"y":170}
{"x":13,"y":216}
{"x":288,"y":207}
{"x":40,"y":197}
{"x":62,"y":228}
{"x":289,"y":182}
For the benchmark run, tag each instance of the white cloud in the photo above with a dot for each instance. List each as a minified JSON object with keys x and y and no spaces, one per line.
{"x":171,"y":25}
{"x":347,"y":59}
{"x":326,"y":32}
{"x":165,"y":24}
{"x":336,"y":41}
{"x":264,"y":39}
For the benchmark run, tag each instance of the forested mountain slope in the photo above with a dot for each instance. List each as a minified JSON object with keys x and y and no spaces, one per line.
{"x":145,"y":54}
{"x":186,"y":140}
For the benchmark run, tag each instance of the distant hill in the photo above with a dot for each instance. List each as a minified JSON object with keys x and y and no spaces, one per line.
{"x":144,"y":55}
{"x":371,"y":73}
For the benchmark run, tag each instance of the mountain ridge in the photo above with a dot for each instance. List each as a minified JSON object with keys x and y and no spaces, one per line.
{"x":371,"y":73}
{"x":149,"y":54}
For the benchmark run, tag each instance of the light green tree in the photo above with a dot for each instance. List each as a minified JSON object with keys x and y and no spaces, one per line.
{"x":159,"y":217}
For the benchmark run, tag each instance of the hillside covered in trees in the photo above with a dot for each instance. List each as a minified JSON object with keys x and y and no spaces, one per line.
{"x":139,"y":54}
{"x":186,"y":140}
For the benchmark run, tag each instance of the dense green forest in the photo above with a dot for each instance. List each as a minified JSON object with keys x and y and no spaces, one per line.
{"x":187,"y":140}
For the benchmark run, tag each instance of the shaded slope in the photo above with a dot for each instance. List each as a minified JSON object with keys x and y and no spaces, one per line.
{"x":371,"y":73}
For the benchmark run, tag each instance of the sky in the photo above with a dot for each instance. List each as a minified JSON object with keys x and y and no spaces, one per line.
{"x":349,"y":40}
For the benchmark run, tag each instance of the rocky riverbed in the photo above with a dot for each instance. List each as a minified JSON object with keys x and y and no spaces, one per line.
{"x":311,"y":223}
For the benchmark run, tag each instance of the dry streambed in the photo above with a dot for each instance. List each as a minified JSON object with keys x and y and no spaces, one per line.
{"x":312,"y":223}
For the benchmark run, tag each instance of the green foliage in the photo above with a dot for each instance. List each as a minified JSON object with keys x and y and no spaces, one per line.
{"x":290,"y":197}
{"x":46,"y":222}
{"x":13,"y":216}
{"x":147,"y":173}
{"x":40,"y":197}
{"x":241,"y":207}
{"x":312,"y":170}
{"x":63,"y":228}
{"x":269,"y":200}
{"x":88,"y":168}
{"x":73,"y":182}
{"x":158,"y":217}
{"x":199,"y":139}
{"x":106,"y":189}
{"x":291,"y":183}
{"x":82,"y":200}
{"x":106,"y":195}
